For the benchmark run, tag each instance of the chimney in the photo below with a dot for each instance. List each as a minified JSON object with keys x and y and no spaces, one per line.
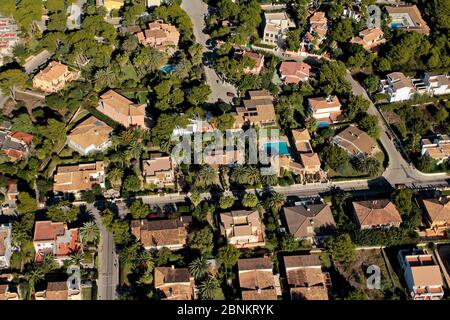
{"x":142,"y":223}
{"x":173,"y":267}
{"x":308,"y":208}
{"x":311,"y":221}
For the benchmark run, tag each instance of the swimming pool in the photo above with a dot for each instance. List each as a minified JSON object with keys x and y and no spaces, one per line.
{"x":395,"y":25}
{"x":277,"y":147}
{"x":167,"y":68}
{"x":322,"y":124}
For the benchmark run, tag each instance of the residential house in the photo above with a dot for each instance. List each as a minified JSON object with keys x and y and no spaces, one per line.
{"x":161,"y":36}
{"x":437,"y":84}
{"x":376,"y":214}
{"x":16,"y":145}
{"x":356,"y":142}
{"x":353,"y":12}
{"x":5,"y":245}
{"x":53,"y":78}
{"x":258,"y":58}
{"x":11,"y":191}
{"x":80,"y":177}
{"x":369,"y":39}
{"x":408,"y":18}
{"x":397,"y":87}
{"x":34,"y":62}
{"x":276,"y":27}
{"x":302,"y":140}
{"x":91,"y":135}
{"x":422,"y":275}
{"x":305,"y":278}
{"x":437,"y":212}
{"x":242,"y":228}
{"x":310,"y":222}
{"x":256,"y":279}
{"x":318,"y":28}
{"x":325,"y":110}
{"x":8,"y":37}
{"x":55,"y":238}
{"x":157,"y":234}
{"x":174,"y":283}
{"x":217,"y":158}
{"x":110,"y":4}
{"x":258,"y":110}
{"x":6,"y":294}
{"x":59,"y":290}
{"x":294,"y":72}
{"x":158,"y":170}
{"x":438,"y":150}
{"x":122,"y":110}
{"x":311,"y":162}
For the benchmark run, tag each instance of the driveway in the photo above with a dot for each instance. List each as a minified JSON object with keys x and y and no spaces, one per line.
{"x":197,"y":11}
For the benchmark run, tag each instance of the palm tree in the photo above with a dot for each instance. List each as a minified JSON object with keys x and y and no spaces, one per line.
{"x":198,"y":267}
{"x":19,"y":234}
{"x":115,"y":176}
{"x":196,"y":198}
{"x":269,"y":180}
{"x":90,"y":232}
{"x":207,"y":176}
{"x":253,"y":175}
{"x":104,"y":77}
{"x":373,"y":166}
{"x":76,"y":257}
{"x":144,"y":258}
{"x":134,"y":150}
{"x":33,"y":276}
{"x":239,"y":175}
{"x":250,"y":200}
{"x":275,"y":201}
{"x":208,"y":287}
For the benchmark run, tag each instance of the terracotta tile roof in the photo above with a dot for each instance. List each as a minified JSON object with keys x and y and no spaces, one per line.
{"x":157,"y":164}
{"x":356,"y":141}
{"x":254,"y":264}
{"x":260,"y":294}
{"x":78,"y":177}
{"x":258,"y":109}
{"x":318,"y":17}
{"x":310,"y":160}
{"x":424,"y":276}
{"x":323,"y":103}
{"x":240,"y":218}
{"x":57,"y":291}
{"x":373,"y":213}
{"x":309,"y":221}
{"x":122,"y":105}
{"x":413,"y":13}
{"x":22,"y":136}
{"x":89,"y":132}
{"x":310,"y":293}
{"x":440,"y":152}
{"x":52,"y":72}
{"x":47,"y":230}
{"x":295,"y":71}
{"x":174,"y":283}
{"x":438,"y":210}
{"x":158,"y":233}
{"x":310,"y":260}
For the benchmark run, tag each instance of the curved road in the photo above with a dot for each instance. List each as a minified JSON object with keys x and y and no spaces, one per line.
{"x":197,"y":11}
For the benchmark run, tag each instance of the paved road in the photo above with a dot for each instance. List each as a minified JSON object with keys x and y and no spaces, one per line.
{"x":108,"y":269}
{"x":197,"y":10}
{"x":398,"y":170}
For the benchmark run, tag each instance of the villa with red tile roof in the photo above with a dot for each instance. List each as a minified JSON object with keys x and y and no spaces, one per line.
{"x":53,"y":78}
{"x":16,"y":145}
{"x":58,"y":290}
{"x":122,"y":110}
{"x":174,"y":283}
{"x":294,"y":72}
{"x":242,"y":228}
{"x":159,"y":170}
{"x":91,"y":135}
{"x":318,"y":28}
{"x":256,"y":279}
{"x":257,"y":58}
{"x":55,"y":238}
{"x":161,"y":36}
{"x":369,"y":38}
{"x":80,"y":177}
{"x":374,"y":214}
{"x":325,"y":109}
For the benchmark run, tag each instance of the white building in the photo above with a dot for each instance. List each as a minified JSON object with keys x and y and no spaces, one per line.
{"x":422,"y":275}
{"x":325,"y":109}
{"x":397,"y":87}
{"x":8,"y":37}
{"x":437,"y":84}
{"x":438,"y":149}
{"x":5,"y":245}
{"x":276,"y":27}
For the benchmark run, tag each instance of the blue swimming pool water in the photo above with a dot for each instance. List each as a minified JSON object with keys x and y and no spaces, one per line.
{"x":167,"y":68}
{"x":395,"y":25}
{"x":322,"y":124}
{"x":277,"y":147}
